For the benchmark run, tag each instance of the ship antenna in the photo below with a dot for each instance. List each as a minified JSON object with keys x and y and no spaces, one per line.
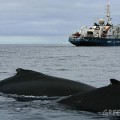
{"x":108,"y":14}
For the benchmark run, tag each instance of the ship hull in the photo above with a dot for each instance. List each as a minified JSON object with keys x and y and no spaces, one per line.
{"x":94,"y":41}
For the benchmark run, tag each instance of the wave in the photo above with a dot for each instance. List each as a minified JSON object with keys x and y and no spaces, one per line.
{"x":25,"y":98}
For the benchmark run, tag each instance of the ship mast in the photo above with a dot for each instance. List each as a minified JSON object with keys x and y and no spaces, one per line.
{"x":109,"y":19}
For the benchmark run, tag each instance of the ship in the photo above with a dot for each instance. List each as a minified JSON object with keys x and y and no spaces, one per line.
{"x":102,"y":33}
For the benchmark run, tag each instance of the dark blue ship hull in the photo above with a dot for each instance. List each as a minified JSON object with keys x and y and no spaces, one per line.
{"x":88,"y":41}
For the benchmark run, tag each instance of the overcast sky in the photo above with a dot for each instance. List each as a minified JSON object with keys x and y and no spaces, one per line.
{"x":52,"y":18}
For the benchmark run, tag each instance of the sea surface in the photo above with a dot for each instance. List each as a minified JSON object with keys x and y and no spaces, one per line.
{"x":90,"y":65}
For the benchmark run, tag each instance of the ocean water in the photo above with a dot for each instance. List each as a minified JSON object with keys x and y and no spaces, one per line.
{"x":90,"y":65}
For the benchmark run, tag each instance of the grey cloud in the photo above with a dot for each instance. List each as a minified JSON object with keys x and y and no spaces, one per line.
{"x":50,"y":17}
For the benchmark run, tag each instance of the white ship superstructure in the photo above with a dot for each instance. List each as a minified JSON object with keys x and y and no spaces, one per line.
{"x":101,"y":33}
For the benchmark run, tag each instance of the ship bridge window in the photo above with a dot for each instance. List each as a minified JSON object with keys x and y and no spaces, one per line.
{"x":90,"y":32}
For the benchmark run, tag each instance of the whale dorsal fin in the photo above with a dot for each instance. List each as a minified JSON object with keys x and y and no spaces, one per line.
{"x":21,"y":71}
{"x":114,"y":81}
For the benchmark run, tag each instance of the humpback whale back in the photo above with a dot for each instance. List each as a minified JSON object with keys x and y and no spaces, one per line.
{"x":28,"y":82}
{"x":97,"y":100}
